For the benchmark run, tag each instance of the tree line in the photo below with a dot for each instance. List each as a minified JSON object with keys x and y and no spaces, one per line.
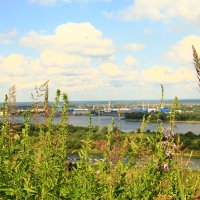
{"x":180,"y":116}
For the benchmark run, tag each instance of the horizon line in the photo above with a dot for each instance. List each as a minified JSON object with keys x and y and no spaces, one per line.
{"x":117,"y":100}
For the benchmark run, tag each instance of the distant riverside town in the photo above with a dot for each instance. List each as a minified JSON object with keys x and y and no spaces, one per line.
{"x":111,"y":108}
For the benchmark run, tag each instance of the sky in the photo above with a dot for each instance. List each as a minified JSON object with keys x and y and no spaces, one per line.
{"x":100,"y":49}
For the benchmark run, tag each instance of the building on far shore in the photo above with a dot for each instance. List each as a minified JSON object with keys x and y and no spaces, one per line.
{"x":165,"y":111}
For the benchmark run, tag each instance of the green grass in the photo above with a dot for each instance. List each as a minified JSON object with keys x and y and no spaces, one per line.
{"x":33,"y":162}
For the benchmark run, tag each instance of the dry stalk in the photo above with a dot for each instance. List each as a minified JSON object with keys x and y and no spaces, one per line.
{"x":196,"y":60}
{"x":35,"y":104}
{"x":12,"y":103}
{"x":46,"y":108}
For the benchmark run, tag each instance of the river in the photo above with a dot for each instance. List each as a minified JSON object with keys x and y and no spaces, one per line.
{"x":125,"y":125}
{"x":129,"y":126}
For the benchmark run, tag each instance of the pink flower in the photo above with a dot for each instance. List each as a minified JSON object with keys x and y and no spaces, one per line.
{"x":165,"y":166}
{"x":169,"y":154}
{"x":174,"y":145}
{"x":112,"y":164}
{"x":164,"y":145}
{"x":167,"y":135}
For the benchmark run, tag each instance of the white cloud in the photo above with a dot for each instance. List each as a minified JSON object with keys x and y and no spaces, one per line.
{"x":78,"y":59}
{"x":86,"y":81}
{"x":162,"y":10}
{"x":162,"y":74}
{"x":75,"y":57}
{"x":24,"y":72}
{"x":131,"y":61}
{"x":181,"y":52}
{"x":134,"y":47}
{"x":6,"y":38}
{"x":56,"y":58}
{"x":14,"y":64}
{"x":83,"y":39}
{"x":19,"y":69}
{"x":110,"y":69}
{"x":72,"y":59}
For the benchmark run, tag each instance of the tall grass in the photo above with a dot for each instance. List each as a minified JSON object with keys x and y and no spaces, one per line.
{"x":133,"y":166}
{"x":196,"y":60}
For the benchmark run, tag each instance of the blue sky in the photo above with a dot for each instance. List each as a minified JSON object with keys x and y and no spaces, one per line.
{"x":100,"y":49}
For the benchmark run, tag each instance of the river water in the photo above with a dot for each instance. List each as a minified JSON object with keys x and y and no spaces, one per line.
{"x":129,"y":126}
{"x":124,"y":125}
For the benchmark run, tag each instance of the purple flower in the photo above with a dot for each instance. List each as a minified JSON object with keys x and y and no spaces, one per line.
{"x":159,"y":166}
{"x":165,"y":166}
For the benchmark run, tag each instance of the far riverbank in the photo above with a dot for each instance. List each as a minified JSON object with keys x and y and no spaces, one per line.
{"x":154,"y":121}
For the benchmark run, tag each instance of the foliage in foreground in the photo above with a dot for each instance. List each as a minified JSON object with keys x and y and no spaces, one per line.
{"x":136,"y":167}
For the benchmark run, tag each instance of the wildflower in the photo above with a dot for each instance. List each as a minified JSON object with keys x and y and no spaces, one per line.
{"x":165,"y":166}
{"x":169,"y":154}
{"x":164,"y":145}
{"x":159,"y":166}
{"x":112,"y":164}
{"x":172,"y":134}
{"x":174,"y":145}
{"x":167,"y":135}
